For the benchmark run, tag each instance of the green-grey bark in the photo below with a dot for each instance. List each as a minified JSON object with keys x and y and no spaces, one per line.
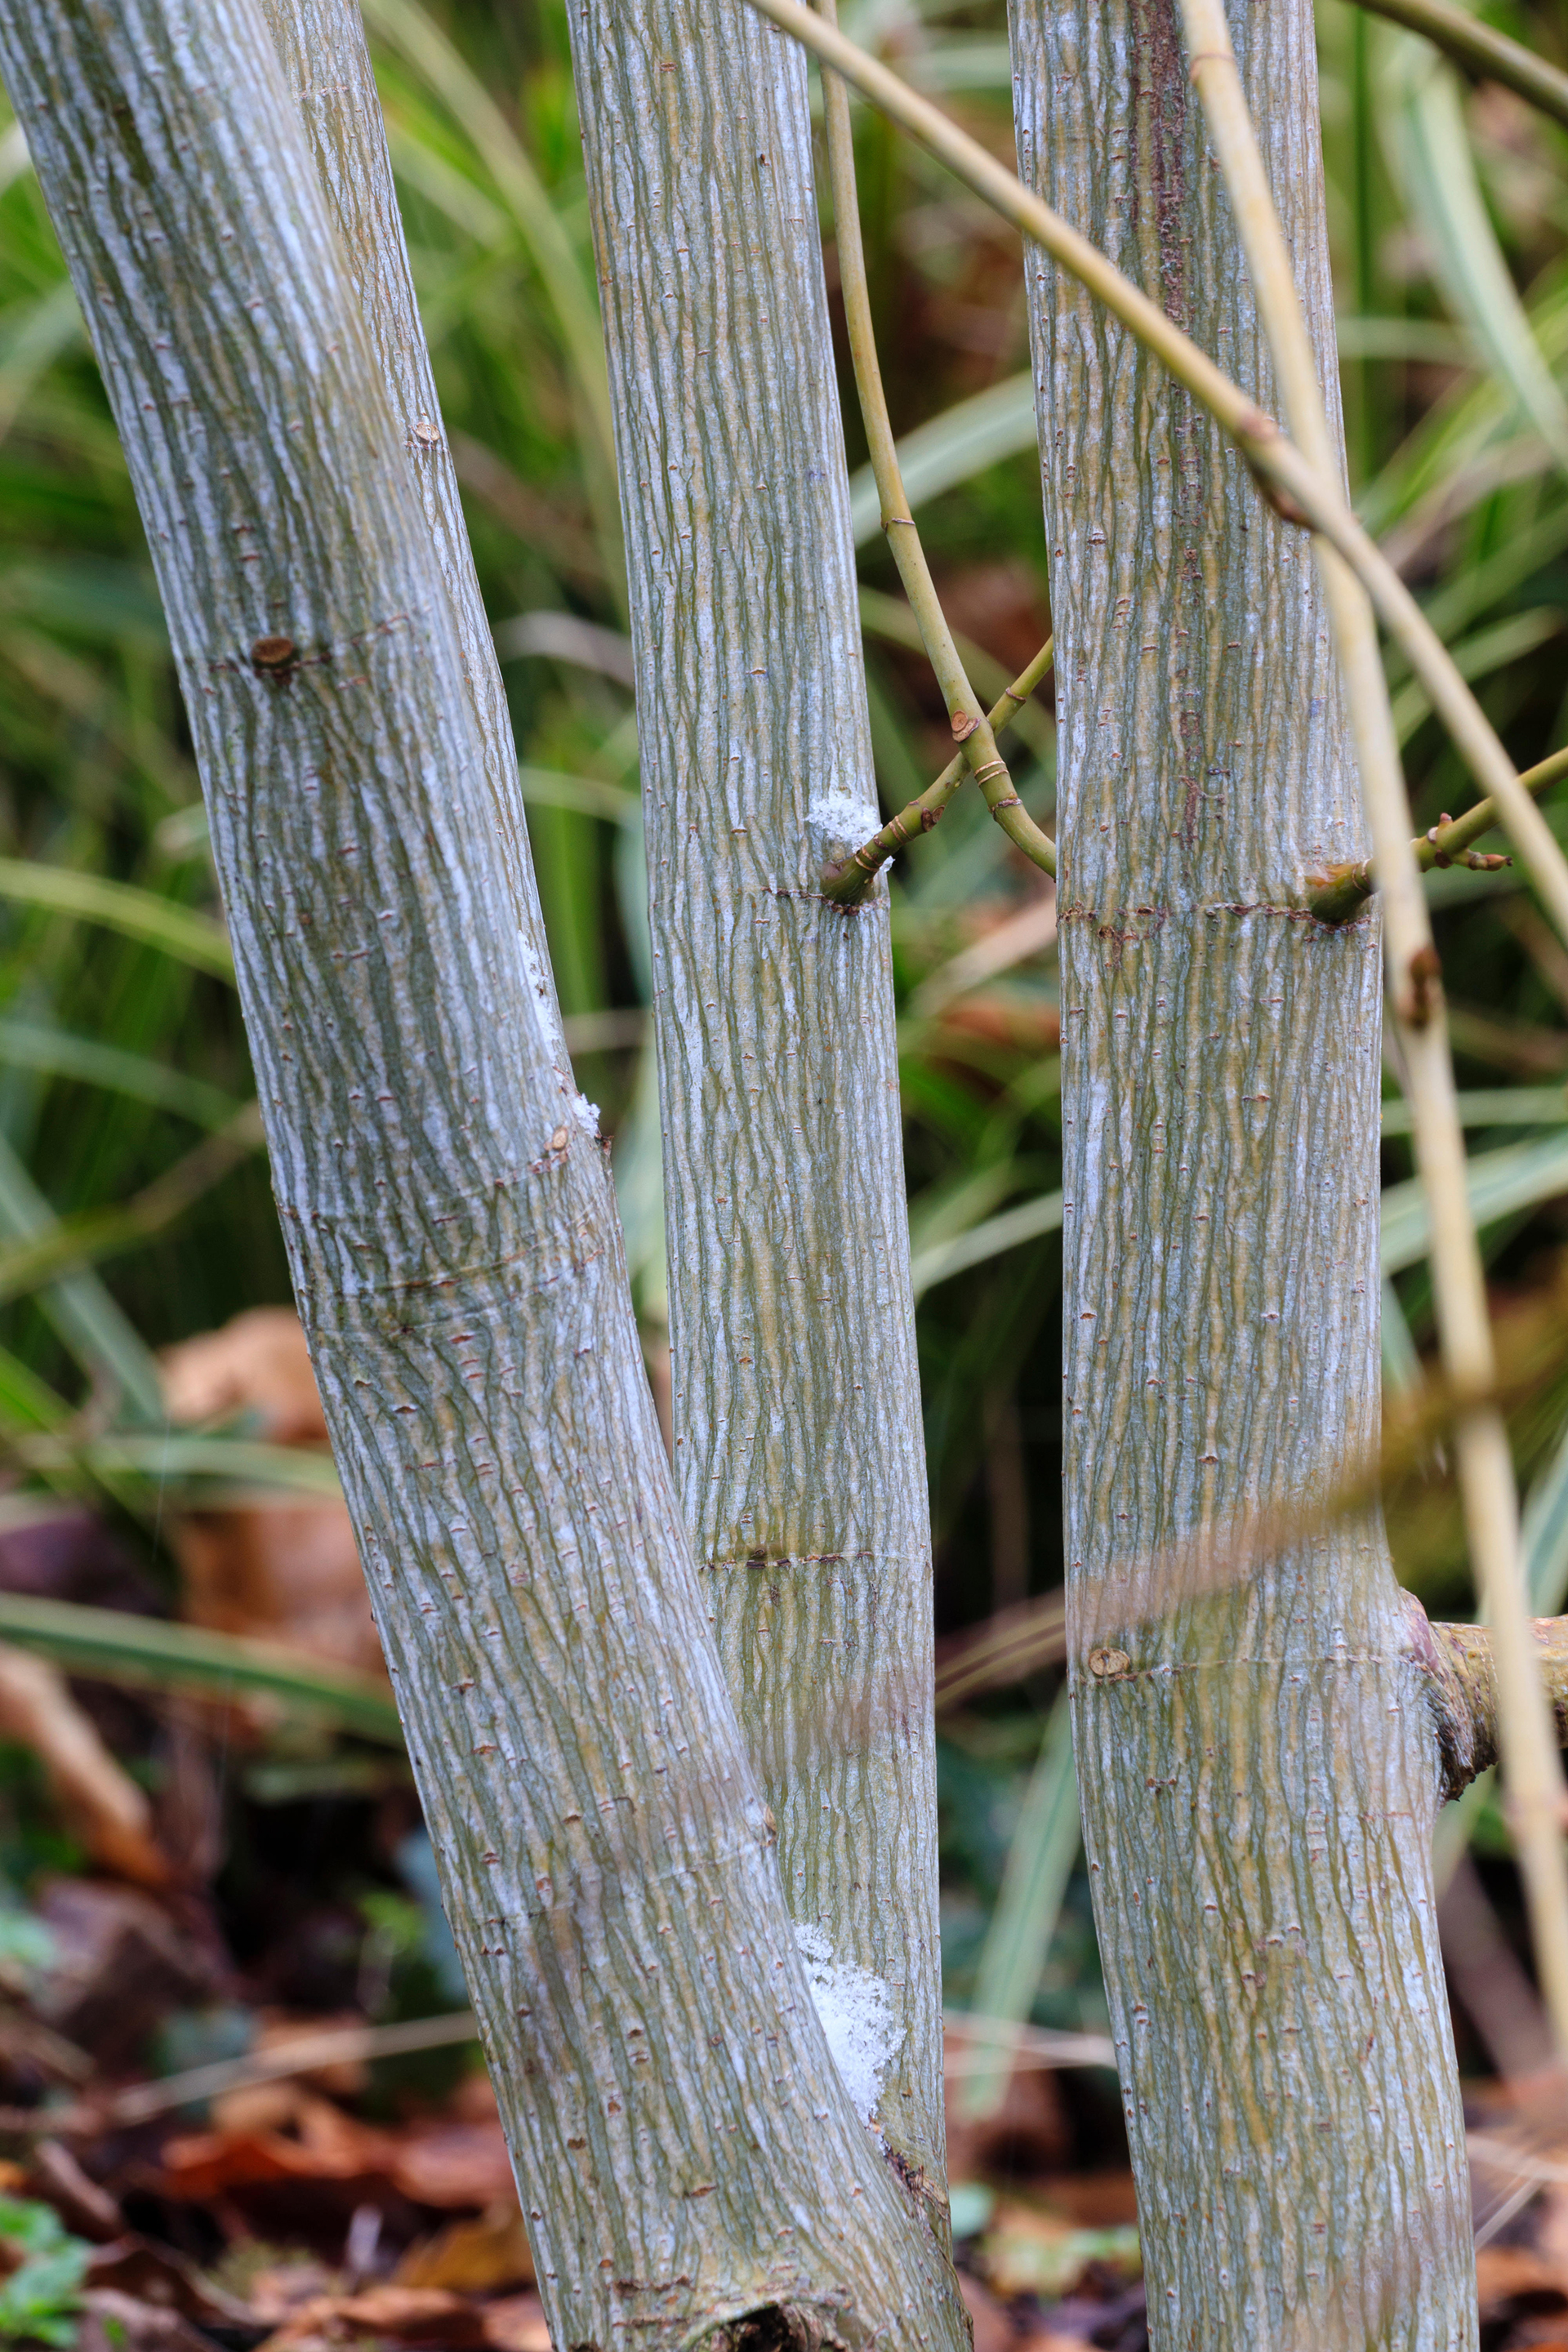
{"x":798,"y":1413}
{"x":321,"y":44}
{"x":685,"y":2146}
{"x":1259,"y":1790}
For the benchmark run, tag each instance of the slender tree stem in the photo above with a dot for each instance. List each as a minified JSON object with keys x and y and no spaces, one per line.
{"x":791,"y":1396}
{"x":1532,"y":1768}
{"x":1293,"y":485}
{"x":1347,"y":888}
{"x":972,"y":723}
{"x":1484,"y":50}
{"x":848,"y":880}
{"x":609,"y":1862}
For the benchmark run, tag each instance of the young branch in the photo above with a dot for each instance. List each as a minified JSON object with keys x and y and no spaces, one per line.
{"x":972,"y":723}
{"x":1295,"y":488}
{"x":1482,"y":48}
{"x":1346,"y":888}
{"x":848,"y":880}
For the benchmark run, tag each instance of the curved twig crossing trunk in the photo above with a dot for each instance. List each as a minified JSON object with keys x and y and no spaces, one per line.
{"x":1258,"y":1770}
{"x":797,"y":1415}
{"x":686,"y":2152}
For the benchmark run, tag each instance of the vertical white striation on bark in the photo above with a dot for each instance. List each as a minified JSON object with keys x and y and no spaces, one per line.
{"x":321,"y":44}
{"x":1257,"y":1781}
{"x":686,"y":2151}
{"x":798,"y":1415}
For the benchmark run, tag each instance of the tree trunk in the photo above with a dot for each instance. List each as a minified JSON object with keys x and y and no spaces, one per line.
{"x":686,"y":2150}
{"x":320,"y":46}
{"x":796,"y":1395}
{"x":1257,"y":1767}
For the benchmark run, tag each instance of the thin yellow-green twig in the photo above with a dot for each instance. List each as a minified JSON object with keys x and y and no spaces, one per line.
{"x":1533,"y":1769}
{"x":972,"y":724}
{"x":1346,"y":888}
{"x":1293,"y":485}
{"x":848,"y":880}
{"x":1482,"y":49}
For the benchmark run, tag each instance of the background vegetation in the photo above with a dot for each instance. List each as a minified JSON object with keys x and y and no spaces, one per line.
{"x":134,"y":1210}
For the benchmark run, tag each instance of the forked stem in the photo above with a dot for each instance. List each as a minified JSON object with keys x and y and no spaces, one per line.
{"x":1296,"y":489}
{"x":848,"y":880}
{"x":973,"y":725}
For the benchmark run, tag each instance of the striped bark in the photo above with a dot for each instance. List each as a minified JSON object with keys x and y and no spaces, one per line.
{"x":686,"y":2150}
{"x":798,"y":1412}
{"x":1259,"y":1775}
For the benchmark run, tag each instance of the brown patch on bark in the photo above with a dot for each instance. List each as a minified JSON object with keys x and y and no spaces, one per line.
{"x":1160,"y":87}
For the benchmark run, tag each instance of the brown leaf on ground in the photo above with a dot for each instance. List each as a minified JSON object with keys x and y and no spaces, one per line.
{"x":1002,"y":1019}
{"x":276,"y":2291}
{"x":1028,"y":2133}
{"x":1090,"y":2200}
{"x":479,"y":2257}
{"x":159,"y":2276}
{"x":113,"y":2322}
{"x":1027,"y":2250}
{"x":992,"y":2323}
{"x":447,"y":2165}
{"x":515,"y":2322}
{"x":390,"y":2315}
{"x":76,"y":2198}
{"x":1503,"y":2273}
{"x":285,"y":1572}
{"x":97,"y":1797}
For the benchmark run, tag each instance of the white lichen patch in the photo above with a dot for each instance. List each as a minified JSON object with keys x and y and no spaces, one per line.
{"x":856,"y":2007}
{"x":841,"y":820}
{"x":586,"y":1114}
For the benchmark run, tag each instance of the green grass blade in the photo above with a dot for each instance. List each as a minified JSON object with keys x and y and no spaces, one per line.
{"x":424,"y":46}
{"x":590,"y":795}
{"x":1401,"y":1364}
{"x":1543,"y":1536}
{"x":1013,"y":1957}
{"x":58,"y":1054}
{"x":1519,"y":1176}
{"x":1024,"y":1223}
{"x":1491,"y":1107}
{"x":148,"y":1653}
{"x":1430,"y":153}
{"x":84,"y":1316}
{"x":68,"y":1243}
{"x":240,"y":1462}
{"x":180,"y":931}
{"x":962,"y":442}
{"x":1488,"y":650}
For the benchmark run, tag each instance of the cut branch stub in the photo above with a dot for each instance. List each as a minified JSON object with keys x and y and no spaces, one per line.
{"x":1462,"y":1685}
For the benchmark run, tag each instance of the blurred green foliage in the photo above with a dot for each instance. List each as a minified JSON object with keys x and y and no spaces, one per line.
{"x":40,"y":2298}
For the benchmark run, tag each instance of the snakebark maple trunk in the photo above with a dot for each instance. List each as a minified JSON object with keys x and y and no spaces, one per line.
{"x":796,"y":1393}
{"x":692,"y":2167}
{"x":1257,"y":1766}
